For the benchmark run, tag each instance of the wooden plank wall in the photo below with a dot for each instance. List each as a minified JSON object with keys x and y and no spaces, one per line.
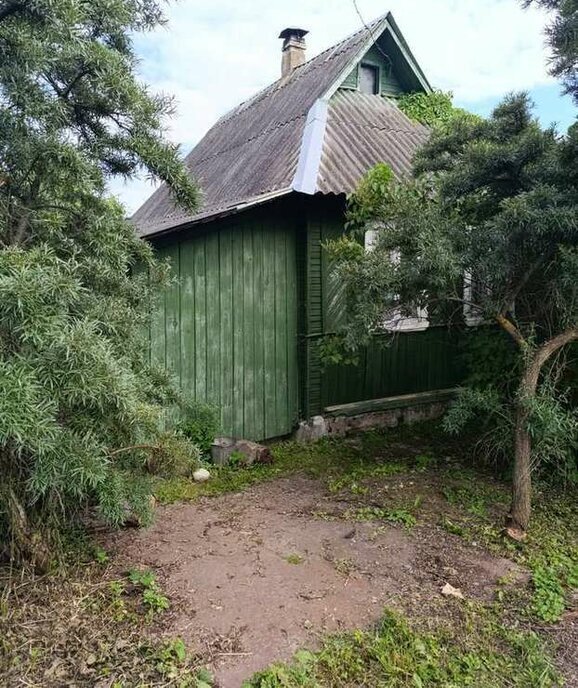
{"x":227,"y":330}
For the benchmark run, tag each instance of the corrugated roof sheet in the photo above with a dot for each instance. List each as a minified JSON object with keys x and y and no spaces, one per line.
{"x":361,"y":131}
{"x":254,"y":149}
{"x":252,"y":153}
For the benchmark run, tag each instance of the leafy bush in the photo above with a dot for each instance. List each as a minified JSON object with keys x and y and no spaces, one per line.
{"x":490,"y":359}
{"x":552,"y":424}
{"x":174,"y":456}
{"x":486,"y":404}
{"x":486,"y":412}
{"x":200,"y":423}
{"x":81,"y":408}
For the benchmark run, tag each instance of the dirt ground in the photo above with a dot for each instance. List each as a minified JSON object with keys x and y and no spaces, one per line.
{"x":256,"y":575}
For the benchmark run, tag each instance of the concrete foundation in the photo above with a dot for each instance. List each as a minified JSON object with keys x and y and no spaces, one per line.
{"x":341,"y":425}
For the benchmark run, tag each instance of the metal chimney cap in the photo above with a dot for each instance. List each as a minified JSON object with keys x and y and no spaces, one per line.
{"x":290,"y":33}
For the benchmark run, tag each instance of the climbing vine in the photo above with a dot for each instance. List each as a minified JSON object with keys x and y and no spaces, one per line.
{"x":430,"y":108}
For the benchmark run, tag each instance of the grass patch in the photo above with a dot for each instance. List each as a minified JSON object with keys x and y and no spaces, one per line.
{"x":479,"y":651}
{"x":374,"y":513}
{"x":550,"y":552}
{"x":341,"y":463}
{"x":89,"y":628}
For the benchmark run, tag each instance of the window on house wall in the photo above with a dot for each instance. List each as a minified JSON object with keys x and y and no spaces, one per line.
{"x":369,"y":79}
{"x":394,"y":320}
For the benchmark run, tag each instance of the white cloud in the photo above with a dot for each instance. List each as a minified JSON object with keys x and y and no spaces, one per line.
{"x":211,"y":56}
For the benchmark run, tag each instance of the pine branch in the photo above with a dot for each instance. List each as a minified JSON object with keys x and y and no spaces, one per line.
{"x":10,"y":9}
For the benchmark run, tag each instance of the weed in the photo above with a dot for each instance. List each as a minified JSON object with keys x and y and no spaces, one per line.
{"x":468,"y":498}
{"x":152,"y":597}
{"x":172,"y":662}
{"x":452,"y":527}
{"x":548,"y":601}
{"x":374,"y":513}
{"x":345,"y":567}
{"x":117,"y":608}
{"x":236,"y":458}
{"x":101,"y":555}
{"x":144,"y":579}
{"x":203,"y":678}
{"x":155,"y":600}
{"x":170,"y":656}
{"x":424,"y":461}
{"x":401,"y":516}
{"x":294,"y":559}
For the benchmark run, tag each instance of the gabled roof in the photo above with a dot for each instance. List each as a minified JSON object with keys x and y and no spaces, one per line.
{"x":293,"y":136}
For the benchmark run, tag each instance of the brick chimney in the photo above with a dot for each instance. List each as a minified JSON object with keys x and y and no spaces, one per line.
{"x":293,"y":51}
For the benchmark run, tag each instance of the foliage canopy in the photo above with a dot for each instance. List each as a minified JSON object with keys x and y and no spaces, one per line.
{"x":488,"y":229}
{"x":432,"y":109}
{"x":77,"y":392}
{"x":562,"y":37}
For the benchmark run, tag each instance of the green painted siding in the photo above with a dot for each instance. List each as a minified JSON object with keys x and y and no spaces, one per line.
{"x":350,"y":81}
{"x":389,"y":82}
{"x":227,"y":329}
{"x":410,"y":362}
{"x":241,"y":325}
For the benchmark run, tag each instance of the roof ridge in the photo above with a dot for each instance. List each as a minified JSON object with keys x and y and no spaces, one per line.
{"x":282,"y":82}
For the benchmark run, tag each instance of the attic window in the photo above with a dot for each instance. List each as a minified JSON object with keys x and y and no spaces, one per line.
{"x":369,"y":79}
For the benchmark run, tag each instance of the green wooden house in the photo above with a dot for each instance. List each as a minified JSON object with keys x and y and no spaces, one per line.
{"x":241,"y":328}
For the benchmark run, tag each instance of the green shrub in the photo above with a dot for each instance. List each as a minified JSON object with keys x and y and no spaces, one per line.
{"x":81,"y":407}
{"x":201,"y":424}
{"x":174,"y":457}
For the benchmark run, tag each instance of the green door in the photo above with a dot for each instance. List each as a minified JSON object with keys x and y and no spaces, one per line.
{"x":228,"y":329}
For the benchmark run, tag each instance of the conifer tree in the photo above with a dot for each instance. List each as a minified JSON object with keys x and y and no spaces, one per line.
{"x":489,"y":224}
{"x":80,"y":409}
{"x":562,"y":38}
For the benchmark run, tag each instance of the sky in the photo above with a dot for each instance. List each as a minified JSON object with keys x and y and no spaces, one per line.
{"x":214,"y":54}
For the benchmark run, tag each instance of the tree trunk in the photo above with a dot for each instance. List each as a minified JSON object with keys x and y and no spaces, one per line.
{"x":519,"y":516}
{"x":28,"y":544}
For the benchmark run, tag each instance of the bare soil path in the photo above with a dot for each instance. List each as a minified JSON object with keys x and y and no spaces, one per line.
{"x":256,"y":575}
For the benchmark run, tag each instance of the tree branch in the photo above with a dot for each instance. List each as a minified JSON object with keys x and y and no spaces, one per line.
{"x":548,"y":349}
{"x":510,"y":300}
{"x":134,"y":447}
{"x":512,"y":330}
{"x":72,"y":84}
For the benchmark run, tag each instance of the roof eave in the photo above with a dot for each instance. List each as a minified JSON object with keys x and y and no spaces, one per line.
{"x":169,"y":226}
